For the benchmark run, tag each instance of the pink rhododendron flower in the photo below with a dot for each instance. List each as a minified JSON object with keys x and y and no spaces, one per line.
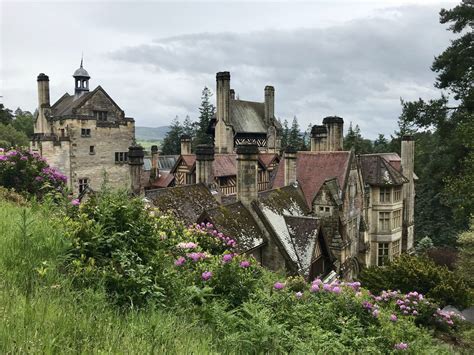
{"x":206,"y":275}
{"x":375,"y":313}
{"x":298,"y":295}
{"x":401,"y":346}
{"x":278,"y":286}
{"x":180,"y":261}
{"x":189,"y":245}
{"x":314,"y":288}
{"x":227,"y":258}
{"x":244,"y":264}
{"x":327,"y":287}
{"x":336,"y":290}
{"x":75,"y":202}
{"x":393,"y":318}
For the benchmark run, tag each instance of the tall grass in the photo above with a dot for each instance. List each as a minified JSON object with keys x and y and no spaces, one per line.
{"x":41,"y":313}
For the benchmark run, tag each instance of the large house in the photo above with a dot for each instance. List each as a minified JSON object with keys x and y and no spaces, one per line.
{"x":85,"y":135}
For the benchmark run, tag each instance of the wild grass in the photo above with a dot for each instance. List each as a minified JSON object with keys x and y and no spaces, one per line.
{"x":40,"y":311}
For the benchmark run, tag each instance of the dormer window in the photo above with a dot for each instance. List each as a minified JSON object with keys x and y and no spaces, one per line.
{"x":100,"y":115}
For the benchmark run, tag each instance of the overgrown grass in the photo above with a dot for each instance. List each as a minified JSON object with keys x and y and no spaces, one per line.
{"x":40,"y":312}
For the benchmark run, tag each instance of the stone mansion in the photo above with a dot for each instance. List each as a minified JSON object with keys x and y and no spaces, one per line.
{"x":324,"y":212}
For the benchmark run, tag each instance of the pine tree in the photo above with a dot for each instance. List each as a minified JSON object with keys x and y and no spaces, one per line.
{"x":381,"y":144}
{"x":295,"y":139}
{"x":206,"y":113}
{"x":189,"y":127}
{"x":172,"y":141}
{"x":285,"y":135}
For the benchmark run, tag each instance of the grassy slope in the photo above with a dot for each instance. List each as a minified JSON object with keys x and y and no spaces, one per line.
{"x":41,"y":313}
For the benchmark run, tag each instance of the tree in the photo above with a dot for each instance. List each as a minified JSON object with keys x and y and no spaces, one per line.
{"x":6,"y":115}
{"x":447,"y":182}
{"x":424,"y":245}
{"x":172,"y":141}
{"x":206,"y":113}
{"x":23,"y":122}
{"x":381,"y":144}
{"x":295,"y":138}
{"x":465,"y":263}
{"x":10,"y":137}
{"x":189,"y":127}
{"x":355,"y":140}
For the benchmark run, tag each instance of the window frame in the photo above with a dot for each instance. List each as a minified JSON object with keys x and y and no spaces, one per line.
{"x":385,"y":194}
{"x":384,"y":222}
{"x":83,"y":183}
{"x":384,"y":256}
{"x":86,"y":132}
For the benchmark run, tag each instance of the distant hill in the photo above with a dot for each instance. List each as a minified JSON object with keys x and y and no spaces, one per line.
{"x":151,"y":133}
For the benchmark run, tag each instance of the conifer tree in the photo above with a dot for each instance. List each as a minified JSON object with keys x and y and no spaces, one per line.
{"x":285,"y":134}
{"x":172,"y":141}
{"x":206,"y":113}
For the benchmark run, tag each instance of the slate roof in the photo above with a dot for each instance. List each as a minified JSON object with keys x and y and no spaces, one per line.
{"x":378,"y":171}
{"x":187,"y":202}
{"x":274,"y":205}
{"x":267,"y":158}
{"x":247,"y":116}
{"x":164,"y":180}
{"x":225,"y":165}
{"x":236,"y":221}
{"x":165,"y":162}
{"x":314,"y":168}
{"x":304,"y":236}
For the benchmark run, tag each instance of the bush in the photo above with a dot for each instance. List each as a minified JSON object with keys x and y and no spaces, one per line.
{"x":411,"y":273}
{"x":29,"y":174}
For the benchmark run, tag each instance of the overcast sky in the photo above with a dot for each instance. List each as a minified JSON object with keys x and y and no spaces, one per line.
{"x":354,"y":59}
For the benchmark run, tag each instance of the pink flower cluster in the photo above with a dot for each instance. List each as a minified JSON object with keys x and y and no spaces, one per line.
{"x":189,"y":245}
{"x":227,"y":258}
{"x":209,"y":228}
{"x":279,"y":286}
{"x":334,"y":287}
{"x":409,"y":303}
{"x":401,"y":346}
{"x":206,"y":275}
{"x":197,"y":256}
{"x":447,"y":317}
{"x":53,"y":174}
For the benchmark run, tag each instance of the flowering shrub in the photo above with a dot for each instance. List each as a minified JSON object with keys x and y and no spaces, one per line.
{"x":28,"y":173}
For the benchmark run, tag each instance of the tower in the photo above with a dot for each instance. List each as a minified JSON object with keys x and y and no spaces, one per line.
{"x":81,"y":78}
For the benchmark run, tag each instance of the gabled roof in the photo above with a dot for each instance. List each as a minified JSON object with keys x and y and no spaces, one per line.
{"x":303,"y":233}
{"x":187,"y":202}
{"x":314,"y":168}
{"x":333,"y":189}
{"x":273,"y":206}
{"x":164,"y":180}
{"x":268,"y":158}
{"x":247,"y":116}
{"x":377,"y":171}
{"x":67,"y":104}
{"x":236,"y":221}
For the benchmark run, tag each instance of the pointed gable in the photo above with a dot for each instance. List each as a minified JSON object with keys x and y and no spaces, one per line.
{"x":314,"y":168}
{"x":378,"y":171}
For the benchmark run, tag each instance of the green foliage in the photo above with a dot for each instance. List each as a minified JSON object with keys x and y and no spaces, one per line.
{"x":465,"y":264}
{"x":24,"y":122}
{"x":206,"y":113}
{"x":424,"y":245}
{"x":354,"y":140}
{"x":172,"y":141}
{"x":10,"y":137}
{"x":408,"y":273}
{"x":6,"y":115}
{"x":29,"y":174}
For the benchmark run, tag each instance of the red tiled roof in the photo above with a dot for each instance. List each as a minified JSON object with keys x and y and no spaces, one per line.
{"x":267,"y":158}
{"x":164,"y":180}
{"x":392,"y":158}
{"x":189,"y":160}
{"x":313,"y":168}
{"x":225,"y":165}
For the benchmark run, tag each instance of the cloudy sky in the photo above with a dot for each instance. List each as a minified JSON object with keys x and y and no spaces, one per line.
{"x":355,"y":59}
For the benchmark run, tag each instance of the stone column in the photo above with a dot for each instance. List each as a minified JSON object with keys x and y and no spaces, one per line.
{"x":135,"y":162}
{"x":204,"y":160}
{"x":269,"y":104}
{"x":335,"y":128}
{"x":185,"y":144}
{"x":155,"y":172}
{"x":41,"y":124}
{"x":247,"y":173}
{"x":319,"y":137}
{"x":408,"y":163}
{"x":290,"y":166}
{"x":223,"y":133}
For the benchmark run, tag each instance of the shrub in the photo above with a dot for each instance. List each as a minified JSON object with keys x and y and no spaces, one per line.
{"x":29,"y":174}
{"x":411,"y":273}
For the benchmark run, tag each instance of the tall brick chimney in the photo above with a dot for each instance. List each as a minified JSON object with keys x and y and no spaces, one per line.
{"x":247,"y":173}
{"x":185,"y":144}
{"x":335,"y":128}
{"x":223,"y":133}
{"x":408,"y":163}
{"x":319,"y":137}
{"x":41,"y":124}
{"x":269,"y":104}
{"x":290,"y":165}
{"x":204,"y":160}
{"x":135,"y":162}
{"x":155,"y":173}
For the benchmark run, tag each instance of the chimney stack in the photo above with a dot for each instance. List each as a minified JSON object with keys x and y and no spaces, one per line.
{"x":41,"y":124}
{"x":290,"y":165}
{"x":135,"y":161}
{"x":408,"y":164}
{"x":232,"y":94}
{"x":223,"y":133}
{"x":269,"y":104}
{"x":335,"y":128}
{"x":155,"y":172}
{"x":247,"y":172}
{"x":319,"y":137}
{"x":204,"y":160}
{"x":185,"y":144}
